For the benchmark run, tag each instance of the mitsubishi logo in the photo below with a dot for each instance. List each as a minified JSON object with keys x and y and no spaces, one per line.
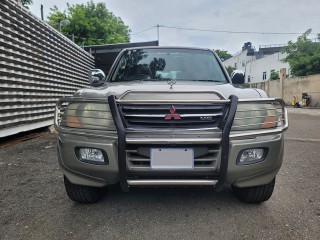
{"x":171,"y":82}
{"x":172,"y":114}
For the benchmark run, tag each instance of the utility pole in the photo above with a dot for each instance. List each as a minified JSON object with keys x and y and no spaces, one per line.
{"x":158,"y":32}
{"x":41,"y":9}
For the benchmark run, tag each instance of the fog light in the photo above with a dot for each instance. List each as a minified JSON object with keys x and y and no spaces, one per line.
{"x":92,"y":155}
{"x":252,"y":155}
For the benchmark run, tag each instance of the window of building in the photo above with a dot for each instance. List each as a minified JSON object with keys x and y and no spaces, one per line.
{"x":243,"y":64}
{"x":235,"y":65}
{"x":249,"y":79}
{"x":264,"y":75}
{"x":272,"y":70}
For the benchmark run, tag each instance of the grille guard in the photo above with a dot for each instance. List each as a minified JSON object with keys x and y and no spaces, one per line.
{"x":110,"y":133}
{"x":122,"y":142}
{"x":227,"y":134}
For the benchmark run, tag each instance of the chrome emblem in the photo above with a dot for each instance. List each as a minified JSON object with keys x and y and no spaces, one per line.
{"x":206,"y":118}
{"x":171,"y":82}
{"x":172,"y":114}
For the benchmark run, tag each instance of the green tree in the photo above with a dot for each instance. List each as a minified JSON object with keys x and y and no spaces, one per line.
{"x":91,"y":24}
{"x":303,"y":55}
{"x":223,"y":54}
{"x":274,"y":76}
{"x":230,"y":69}
{"x":25,"y":3}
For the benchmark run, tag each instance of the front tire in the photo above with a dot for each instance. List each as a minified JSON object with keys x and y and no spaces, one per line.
{"x":83,"y":194}
{"x":257,"y":194}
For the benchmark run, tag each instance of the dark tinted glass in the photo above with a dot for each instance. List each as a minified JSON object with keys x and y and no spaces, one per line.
{"x":165,"y":64}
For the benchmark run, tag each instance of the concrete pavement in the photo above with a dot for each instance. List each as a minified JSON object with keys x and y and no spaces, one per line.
{"x":34,"y":205}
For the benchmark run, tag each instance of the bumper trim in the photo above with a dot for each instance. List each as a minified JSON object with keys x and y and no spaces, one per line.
{"x":172,"y":182}
{"x":173,"y":140}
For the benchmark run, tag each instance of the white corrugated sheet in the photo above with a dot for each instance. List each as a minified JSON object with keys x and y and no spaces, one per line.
{"x":38,"y":66}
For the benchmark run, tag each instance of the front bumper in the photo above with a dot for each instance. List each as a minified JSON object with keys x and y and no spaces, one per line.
{"x":102,"y":175}
{"x":223,"y":169}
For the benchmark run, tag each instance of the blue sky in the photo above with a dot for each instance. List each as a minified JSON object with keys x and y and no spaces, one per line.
{"x":226,"y":15}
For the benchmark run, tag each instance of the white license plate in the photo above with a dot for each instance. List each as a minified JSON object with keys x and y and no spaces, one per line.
{"x":172,"y":158}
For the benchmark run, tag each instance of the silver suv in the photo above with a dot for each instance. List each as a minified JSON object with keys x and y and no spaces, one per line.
{"x":169,"y":116}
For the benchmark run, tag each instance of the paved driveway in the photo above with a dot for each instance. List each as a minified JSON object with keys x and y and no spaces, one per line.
{"x":33,"y":203}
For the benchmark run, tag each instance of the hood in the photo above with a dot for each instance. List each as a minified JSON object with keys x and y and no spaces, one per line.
{"x":119,"y":88}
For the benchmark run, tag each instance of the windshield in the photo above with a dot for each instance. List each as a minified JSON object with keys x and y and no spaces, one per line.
{"x":167,"y":64}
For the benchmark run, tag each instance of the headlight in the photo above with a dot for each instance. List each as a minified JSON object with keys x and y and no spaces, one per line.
{"x":88,"y":116}
{"x":255,"y":116}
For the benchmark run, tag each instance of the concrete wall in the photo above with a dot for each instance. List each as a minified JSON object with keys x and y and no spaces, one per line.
{"x":273,"y":88}
{"x":297,"y":86}
{"x":286,"y":88}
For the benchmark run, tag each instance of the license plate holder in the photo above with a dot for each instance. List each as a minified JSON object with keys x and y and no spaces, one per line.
{"x":172,"y":158}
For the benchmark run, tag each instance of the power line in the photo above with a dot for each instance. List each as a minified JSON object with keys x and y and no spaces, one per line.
{"x":219,"y":31}
{"x":144,"y":30}
{"x":225,"y":31}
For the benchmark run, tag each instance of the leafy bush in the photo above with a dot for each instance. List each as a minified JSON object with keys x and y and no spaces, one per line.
{"x":223,"y":54}
{"x":274,"y":76}
{"x":91,"y":23}
{"x":230,"y":69}
{"x":303,"y":55}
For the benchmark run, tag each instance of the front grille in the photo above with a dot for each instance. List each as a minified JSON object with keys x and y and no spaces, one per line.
{"x":169,"y":116}
{"x":206,"y":157}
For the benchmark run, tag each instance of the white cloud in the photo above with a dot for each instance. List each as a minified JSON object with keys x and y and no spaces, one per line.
{"x":230,"y":15}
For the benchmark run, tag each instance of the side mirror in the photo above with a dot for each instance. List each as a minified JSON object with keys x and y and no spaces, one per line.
{"x":96,"y":77}
{"x":237,"y":77}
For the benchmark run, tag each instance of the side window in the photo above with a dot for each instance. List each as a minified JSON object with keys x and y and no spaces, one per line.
{"x":264,"y":75}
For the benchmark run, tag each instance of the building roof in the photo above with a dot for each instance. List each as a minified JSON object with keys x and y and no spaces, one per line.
{"x":106,"y":54}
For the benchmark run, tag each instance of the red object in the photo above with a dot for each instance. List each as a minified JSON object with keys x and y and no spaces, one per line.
{"x":172,"y":114}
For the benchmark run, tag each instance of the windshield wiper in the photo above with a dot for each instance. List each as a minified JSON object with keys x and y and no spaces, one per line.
{"x":156,"y":79}
{"x":206,"y":80}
